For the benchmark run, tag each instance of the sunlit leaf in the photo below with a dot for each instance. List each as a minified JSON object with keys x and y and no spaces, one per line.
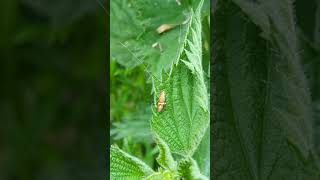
{"x":124,"y":166}
{"x":185,"y":117}
{"x":189,"y":169}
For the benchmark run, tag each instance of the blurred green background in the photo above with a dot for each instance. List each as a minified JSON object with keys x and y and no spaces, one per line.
{"x":308,"y":26}
{"x":53,"y":95}
{"x":130,"y":111}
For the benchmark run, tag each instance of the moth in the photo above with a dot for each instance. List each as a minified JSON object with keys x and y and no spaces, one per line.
{"x":161,"y":101}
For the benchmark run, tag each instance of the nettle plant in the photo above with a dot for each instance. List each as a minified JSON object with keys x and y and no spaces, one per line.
{"x":166,"y":36}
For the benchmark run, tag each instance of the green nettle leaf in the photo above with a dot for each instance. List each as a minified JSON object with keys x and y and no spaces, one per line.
{"x":202,"y":154}
{"x":165,"y":158}
{"x":181,"y":123}
{"x":262,"y":128}
{"x":134,"y":36}
{"x":189,"y":169}
{"x":164,"y":175}
{"x":125,"y":166}
{"x":185,"y":116}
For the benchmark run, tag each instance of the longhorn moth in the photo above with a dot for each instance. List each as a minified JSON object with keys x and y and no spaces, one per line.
{"x":161,"y":101}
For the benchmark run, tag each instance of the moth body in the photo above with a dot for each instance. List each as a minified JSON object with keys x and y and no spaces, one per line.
{"x":161,"y":101}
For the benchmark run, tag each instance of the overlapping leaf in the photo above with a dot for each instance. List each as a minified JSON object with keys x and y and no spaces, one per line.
{"x":124,"y":166}
{"x":185,"y":117}
{"x":189,"y":169}
{"x":202,"y":154}
{"x":262,"y":127}
{"x":134,"y":37}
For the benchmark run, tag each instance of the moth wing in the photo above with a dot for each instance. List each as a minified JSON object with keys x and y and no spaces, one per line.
{"x":160,"y":107}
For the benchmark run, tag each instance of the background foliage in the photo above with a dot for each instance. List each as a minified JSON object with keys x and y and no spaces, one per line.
{"x":53,"y":107}
{"x":266,"y":68}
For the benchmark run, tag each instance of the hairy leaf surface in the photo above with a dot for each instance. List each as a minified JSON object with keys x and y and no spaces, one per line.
{"x":165,"y":158}
{"x":124,"y":166}
{"x":185,"y":117}
{"x":188,"y":168}
{"x":133,"y":33}
{"x":262,"y":127}
{"x":202,"y":154}
{"x":179,"y":126}
{"x":134,"y":39}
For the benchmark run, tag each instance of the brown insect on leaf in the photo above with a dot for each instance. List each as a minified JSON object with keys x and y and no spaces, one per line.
{"x":161,"y":101}
{"x":165,"y":27}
